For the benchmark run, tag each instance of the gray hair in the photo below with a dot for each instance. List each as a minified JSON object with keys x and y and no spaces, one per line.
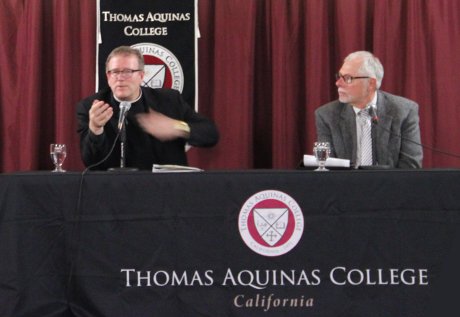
{"x":126,"y":51}
{"x":370,"y":66}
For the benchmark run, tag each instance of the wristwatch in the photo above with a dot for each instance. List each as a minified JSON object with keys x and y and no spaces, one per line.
{"x":183,"y":126}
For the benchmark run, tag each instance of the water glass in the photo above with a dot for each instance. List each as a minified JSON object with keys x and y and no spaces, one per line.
{"x":58,"y":153}
{"x":321,"y":150}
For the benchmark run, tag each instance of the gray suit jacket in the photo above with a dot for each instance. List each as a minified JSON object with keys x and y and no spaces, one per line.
{"x":395,"y":138}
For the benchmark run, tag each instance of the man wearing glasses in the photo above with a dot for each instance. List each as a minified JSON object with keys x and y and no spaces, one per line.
{"x":368,"y":126}
{"x":158,"y":124}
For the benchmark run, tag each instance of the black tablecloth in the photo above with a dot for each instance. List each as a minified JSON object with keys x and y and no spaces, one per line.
{"x":374,"y":243}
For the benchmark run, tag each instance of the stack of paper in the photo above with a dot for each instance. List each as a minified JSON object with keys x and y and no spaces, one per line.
{"x":174,"y":168}
{"x":310,"y":160}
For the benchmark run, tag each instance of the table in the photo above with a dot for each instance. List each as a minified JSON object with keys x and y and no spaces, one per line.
{"x":356,"y":243}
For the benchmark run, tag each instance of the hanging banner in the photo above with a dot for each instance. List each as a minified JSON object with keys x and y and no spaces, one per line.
{"x":165,"y":31}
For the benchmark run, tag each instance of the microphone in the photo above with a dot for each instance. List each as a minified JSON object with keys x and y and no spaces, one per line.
{"x":373,"y":114}
{"x":375,"y":120}
{"x":124,"y":108}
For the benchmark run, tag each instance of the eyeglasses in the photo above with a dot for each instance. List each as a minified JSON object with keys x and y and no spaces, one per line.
{"x":347,"y":78}
{"x":125,"y":73}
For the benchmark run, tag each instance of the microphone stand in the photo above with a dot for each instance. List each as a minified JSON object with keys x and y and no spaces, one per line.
{"x":374,"y":123}
{"x":122,"y":167}
{"x":122,"y":143}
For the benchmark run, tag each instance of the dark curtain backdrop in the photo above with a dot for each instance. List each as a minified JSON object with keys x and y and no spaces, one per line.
{"x":264,"y":67}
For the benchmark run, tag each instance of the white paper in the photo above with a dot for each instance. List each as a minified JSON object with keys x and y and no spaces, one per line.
{"x":310,"y":160}
{"x":174,"y":168}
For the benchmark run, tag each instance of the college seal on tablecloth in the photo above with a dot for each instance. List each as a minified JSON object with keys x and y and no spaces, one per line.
{"x":271,"y":223}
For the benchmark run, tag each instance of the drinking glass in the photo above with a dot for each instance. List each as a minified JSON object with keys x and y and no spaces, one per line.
{"x":58,"y":153}
{"x":321,"y":150}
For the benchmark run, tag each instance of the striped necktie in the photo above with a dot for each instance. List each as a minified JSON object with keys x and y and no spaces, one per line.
{"x":364,"y":120}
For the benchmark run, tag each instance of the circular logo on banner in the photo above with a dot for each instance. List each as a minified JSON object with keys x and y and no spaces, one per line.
{"x":271,"y":223}
{"x":162,"y":68}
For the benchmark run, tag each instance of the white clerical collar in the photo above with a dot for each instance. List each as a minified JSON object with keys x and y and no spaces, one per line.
{"x":137,"y":99}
